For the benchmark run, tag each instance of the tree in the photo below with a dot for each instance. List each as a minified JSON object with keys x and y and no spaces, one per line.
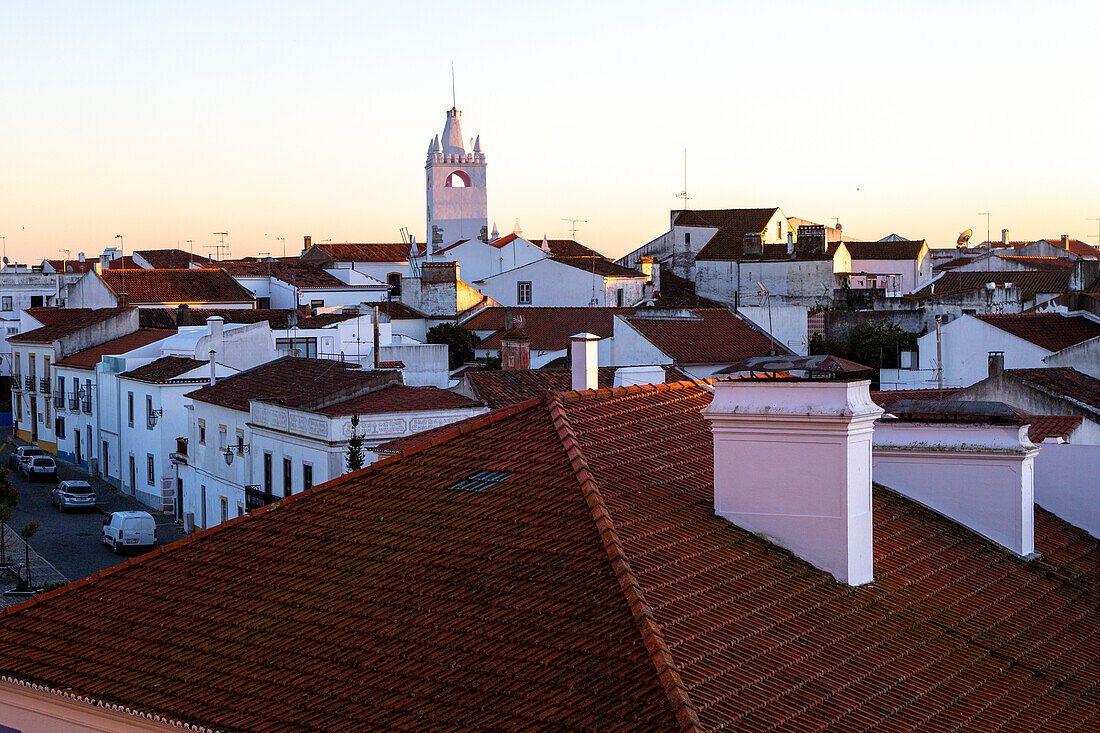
{"x":460,"y":342}
{"x":8,"y":493}
{"x":5,"y":515}
{"x":875,"y":344}
{"x":355,"y":459}
{"x":28,"y":532}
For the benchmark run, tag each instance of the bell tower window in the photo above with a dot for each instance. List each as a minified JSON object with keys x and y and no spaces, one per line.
{"x":458,"y":179}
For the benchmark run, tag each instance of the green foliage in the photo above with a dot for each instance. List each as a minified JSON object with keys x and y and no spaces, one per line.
{"x":355,"y":458}
{"x":28,"y":530}
{"x":492,"y":364}
{"x":47,"y":587}
{"x":5,"y":515}
{"x":460,"y":342}
{"x":9,"y":495}
{"x":876,"y":344}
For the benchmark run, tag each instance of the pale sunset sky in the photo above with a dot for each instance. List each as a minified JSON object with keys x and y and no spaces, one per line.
{"x":168,"y":121}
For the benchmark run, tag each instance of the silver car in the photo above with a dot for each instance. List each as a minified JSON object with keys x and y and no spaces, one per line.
{"x":73,"y":495}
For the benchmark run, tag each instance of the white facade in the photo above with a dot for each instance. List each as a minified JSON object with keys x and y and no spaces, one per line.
{"x":457,"y":197}
{"x":33,"y":410}
{"x":1063,"y":485}
{"x":804,"y":282}
{"x":479,"y":260}
{"x":548,"y":282}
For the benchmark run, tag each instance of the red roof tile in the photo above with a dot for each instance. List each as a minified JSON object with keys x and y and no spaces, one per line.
{"x":1050,"y":331}
{"x":1039,"y":263}
{"x":176,"y":286}
{"x":570,"y":252}
{"x":164,"y":369}
{"x":299,"y":274}
{"x":1029,"y":281}
{"x":294,"y":382}
{"x":1063,"y":382}
{"x":1052,"y":426}
{"x":708,"y":336}
{"x":501,"y":388}
{"x":548,"y":328}
{"x":366,"y":251}
{"x":170,"y":317}
{"x":173,"y":259}
{"x":64,"y":322}
{"x":885,"y":398}
{"x":890,"y":250}
{"x":88,"y":358}
{"x":732,"y":226}
{"x":73,"y":265}
{"x":591,"y":587}
{"x":399,"y":398}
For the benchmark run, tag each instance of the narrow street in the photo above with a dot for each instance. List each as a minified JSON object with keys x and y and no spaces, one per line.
{"x":71,"y":541}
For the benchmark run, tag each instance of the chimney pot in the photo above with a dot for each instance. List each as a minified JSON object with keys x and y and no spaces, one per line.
{"x":1004,"y":237}
{"x":996,"y":363}
{"x":1065,"y":242}
{"x":307,"y":242}
{"x":216,"y":324}
{"x":515,"y":351}
{"x":585,"y":356}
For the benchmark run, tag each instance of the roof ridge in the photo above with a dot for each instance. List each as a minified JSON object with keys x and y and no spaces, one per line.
{"x":590,"y":394}
{"x":667,"y":673}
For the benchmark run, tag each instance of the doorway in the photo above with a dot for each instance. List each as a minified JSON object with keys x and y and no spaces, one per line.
{"x":179,"y":498}
{"x":77,"y":439}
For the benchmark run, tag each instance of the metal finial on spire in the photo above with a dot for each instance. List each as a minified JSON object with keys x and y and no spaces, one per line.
{"x":454,"y":98}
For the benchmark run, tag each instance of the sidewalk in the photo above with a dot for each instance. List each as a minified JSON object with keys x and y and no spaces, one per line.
{"x":41,"y":570}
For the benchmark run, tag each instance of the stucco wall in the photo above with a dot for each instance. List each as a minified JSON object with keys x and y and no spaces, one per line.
{"x":966,"y":343}
{"x":787,"y":323}
{"x":1084,"y":357}
{"x":26,"y":710}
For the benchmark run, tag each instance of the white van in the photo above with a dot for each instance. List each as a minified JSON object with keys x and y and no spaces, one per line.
{"x":129,"y":529}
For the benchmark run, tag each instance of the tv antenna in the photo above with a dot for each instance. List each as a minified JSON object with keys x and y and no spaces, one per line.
{"x":221,"y":249}
{"x":1097,"y":235}
{"x":573,"y":226}
{"x":684,"y":194}
{"x":454,"y":97}
{"x":986,"y":215}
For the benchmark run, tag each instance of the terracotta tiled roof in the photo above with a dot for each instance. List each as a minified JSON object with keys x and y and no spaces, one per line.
{"x":398,"y":311}
{"x":885,"y":398}
{"x":164,"y":369}
{"x":293,"y":382}
{"x":503,"y":388}
{"x":1063,"y":382}
{"x":591,"y":586}
{"x":399,"y":398}
{"x":73,"y":265}
{"x":1076,"y":246}
{"x":1052,"y":426}
{"x":570,"y":252}
{"x":324,"y":320}
{"x":122,"y":263}
{"x":548,"y":328}
{"x":709,"y":336}
{"x":299,"y":274}
{"x":1039,"y":263}
{"x":894,"y":250}
{"x":366,"y":251}
{"x":169,"y":317}
{"x":88,"y":358}
{"x":1031,"y":282}
{"x":954,"y":263}
{"x":1050,"y":331}
{"x":676,"y":291}
{"x":64,"y":322}
{"x":176,"y":286}
{"x":732,"y":225}
{"x":173,"y":259}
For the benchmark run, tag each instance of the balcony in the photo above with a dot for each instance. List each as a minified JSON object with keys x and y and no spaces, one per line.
{"x":44,"y":385}
{"x":59,"y":401}
{"x":28,"y":384}
{"x":17,"y":383}
{"x":180,"y":455}
{"x":86,"y":406}
{"x":74,"y":404}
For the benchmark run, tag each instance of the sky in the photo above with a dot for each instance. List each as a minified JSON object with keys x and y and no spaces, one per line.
{"x":169,"y":121}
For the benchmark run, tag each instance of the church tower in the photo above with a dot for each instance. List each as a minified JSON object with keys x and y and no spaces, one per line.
{"x":457,"y":200}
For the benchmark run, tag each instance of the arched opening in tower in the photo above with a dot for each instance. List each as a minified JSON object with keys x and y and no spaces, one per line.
{"x":458,"y":179}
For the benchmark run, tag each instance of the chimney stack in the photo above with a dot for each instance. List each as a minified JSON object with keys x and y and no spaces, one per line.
{"x":790,"y":242}
{"x":515,"y":350}
{"x":996,"y":363}
{"x":753,"y":245}
{"x":509,"y":321}
{"x":1004,"y":237}
{"x":652,"y":270}
{"x":212,"y":375}
{"x":584,"y":354}
{"x":307,"y":242}
{"x":216,"y":324}
{"x":79,"y":256}
{"x":183,"y":315}
{"x":1065,"y":242}
{"x":811,"y":240}
{"x":792,"y":463}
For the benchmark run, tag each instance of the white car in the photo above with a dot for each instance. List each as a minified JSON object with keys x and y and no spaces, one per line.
{"x":129,"y":529}
{"x":73,"y":495}
{"x":15,"y":460}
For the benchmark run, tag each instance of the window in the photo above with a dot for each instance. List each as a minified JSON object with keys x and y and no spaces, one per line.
{"x":619,"y":297}
{"x":481,"y":480}
{"x":60,"y":428}
{"x":36,"y":301}
{"x":263,"y":303}
{"x":223,"y":438}
{"x":18,"y":363}
{"x":523,"y":293}
{"x":267,"y":473}
{"x":203,"y":491}
{"x":779,"y":230}
{"x":288,"y":476}
{"x":202,"y":431}
{"x":13,"y":330}
{"x":6,"y":303}
{"x":149,"y":412}
{"x":150,"y":467}
{"x":305,"y":347}
{"x":133,"y":475}
{"x":687,"y":238}
{"x":130,"y":408}
{"x":87,"y":406}
{"x":106,"y":455}
{"x":394,"y":281}
{"x":307,"y":477}
{"x":316,"y":304}
{"x":223,"y":508}
{"x":240,"y":442}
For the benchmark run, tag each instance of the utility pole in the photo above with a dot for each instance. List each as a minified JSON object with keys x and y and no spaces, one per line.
{"x":986,"y":215}
{"x":1093,"y":218}
{"x":684,"y":194}
{"x":283,"y":240}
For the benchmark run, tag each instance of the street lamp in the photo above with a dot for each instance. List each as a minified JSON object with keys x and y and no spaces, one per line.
{"x":228,"y":456}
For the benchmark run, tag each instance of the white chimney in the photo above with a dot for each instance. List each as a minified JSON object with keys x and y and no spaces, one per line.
{"x":792,"y":463}
{"x":1004,"y":237}
{"x":584,"y":353}
{"x":629,"y":376}
{"x":79,"y":256}
{"x":213,"y":376}
{"x":216,"y":324}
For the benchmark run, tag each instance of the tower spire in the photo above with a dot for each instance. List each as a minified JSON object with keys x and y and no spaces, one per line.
{"x":454,"y":97}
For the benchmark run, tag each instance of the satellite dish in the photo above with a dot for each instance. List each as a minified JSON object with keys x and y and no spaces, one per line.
{"x":964,"y":238}
{"x":5,"y":260}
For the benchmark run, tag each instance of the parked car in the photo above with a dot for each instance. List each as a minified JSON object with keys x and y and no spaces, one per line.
{"x":129,"y":529}
{"x":37,"y":467}
{"x":73,"y":495}
{"x":15,"y":460}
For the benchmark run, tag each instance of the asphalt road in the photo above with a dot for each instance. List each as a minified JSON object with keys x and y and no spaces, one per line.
{"x":72,"y":541}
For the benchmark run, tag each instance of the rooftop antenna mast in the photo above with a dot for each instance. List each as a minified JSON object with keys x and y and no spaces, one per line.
{"x":986,"y":215}
{"x":684,"y":194}
{"x":454,"y":97}
{"x":573,"y":226}
{"x":1097,"y":235}
{"x":221,"y":249}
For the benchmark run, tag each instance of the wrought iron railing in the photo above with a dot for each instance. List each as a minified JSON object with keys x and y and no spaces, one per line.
{"x":86,"y":406}
{"x":28,"y":383}
{"x":44,"y":385}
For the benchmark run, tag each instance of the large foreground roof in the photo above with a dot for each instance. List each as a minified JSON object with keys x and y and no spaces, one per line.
{"x":558,"y":566}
